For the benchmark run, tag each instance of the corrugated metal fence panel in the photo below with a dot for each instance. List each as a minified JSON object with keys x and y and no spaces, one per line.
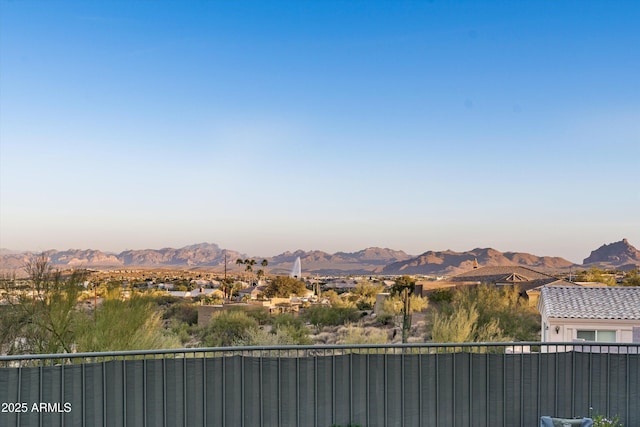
{"x":306,"y":392}
{"x":377,"y":390}
{"x":215,"y":392}
{"x":411,"y":390}
{"x":359,"y":382}
{"x":443,"y":389}
{"x":428,"y":389}
{"x":633,"y":396}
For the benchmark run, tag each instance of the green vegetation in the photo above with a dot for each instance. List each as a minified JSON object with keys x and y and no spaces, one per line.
{"x":604,"y":421}
{"x":183,"y":312}
{"x":360,"y":335}
{"x":50,"y":319}
{"x":236,"y":327}
{"x":462,"y":326}
{"x":284,"y":287}
{"x":364,"y":295}
{"x":594,"y":274}
{"x":441,"y":295}
{"x":330,"y":316}
{"x":485,"y":313}
{"x":632,"y":278}
{"x":402,"y":283}
{"x":42,"y":319}
{"x":292,"y":326}
{"x":132,"y":324}
{"x":53,"y":313}
{"x":226,"y":328}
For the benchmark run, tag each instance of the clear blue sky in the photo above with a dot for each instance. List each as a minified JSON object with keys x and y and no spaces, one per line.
{"x":333,"y":125}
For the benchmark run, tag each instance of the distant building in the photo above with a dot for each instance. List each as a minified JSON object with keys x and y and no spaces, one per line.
{"x":252,"y":292}
{"x":528,"y":280}
{"x":341,"y":284}
{"x":598,"y":314}
{"x":198,"y":292}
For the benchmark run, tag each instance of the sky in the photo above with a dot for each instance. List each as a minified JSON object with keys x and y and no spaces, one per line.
{"x":267,"y":126}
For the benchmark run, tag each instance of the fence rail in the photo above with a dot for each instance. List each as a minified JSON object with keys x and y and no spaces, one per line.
{"x":468,"y":384}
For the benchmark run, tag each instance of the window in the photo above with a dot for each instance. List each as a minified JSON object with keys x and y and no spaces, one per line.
{"x":600,"y":336}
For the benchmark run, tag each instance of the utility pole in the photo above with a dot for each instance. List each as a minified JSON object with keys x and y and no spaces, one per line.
{"x":225,"y":265}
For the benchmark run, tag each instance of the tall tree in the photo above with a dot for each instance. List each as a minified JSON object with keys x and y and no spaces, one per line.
{"x":284,"y":287}
{"x":260,"y":273}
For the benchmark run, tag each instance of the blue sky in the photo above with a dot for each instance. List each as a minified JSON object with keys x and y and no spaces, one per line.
{"x":331,"y":125}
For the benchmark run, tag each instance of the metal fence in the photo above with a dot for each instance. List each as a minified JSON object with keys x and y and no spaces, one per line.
{"x":488,"y":384}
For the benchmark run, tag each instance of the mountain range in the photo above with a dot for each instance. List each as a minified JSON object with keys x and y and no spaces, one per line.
{"x":367,"y":261}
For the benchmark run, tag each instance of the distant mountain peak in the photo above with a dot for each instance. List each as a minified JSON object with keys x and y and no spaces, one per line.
{"x":451,"y":262}
{"x":615,"y":254}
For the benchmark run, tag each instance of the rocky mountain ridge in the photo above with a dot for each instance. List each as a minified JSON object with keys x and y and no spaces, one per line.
{"x":371,"y":260}
{"x":618,"y":254}
{"x":450,"y":262}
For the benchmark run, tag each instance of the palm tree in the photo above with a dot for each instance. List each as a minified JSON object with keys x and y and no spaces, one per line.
{"x":250,"y":263}
{"x":260,"y":272}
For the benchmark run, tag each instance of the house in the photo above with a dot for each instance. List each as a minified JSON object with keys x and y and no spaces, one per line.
{"x":528,"y":280}
{"x":252,"y":292}
{"x":524,"y":277}
{"x":577,"y":313}
{"x":341,"y":283}
{"x":198,"y":292}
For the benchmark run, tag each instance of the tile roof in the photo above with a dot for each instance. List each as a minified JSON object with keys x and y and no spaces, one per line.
{"x":500,"y":273}
{"x":577,"y":302}
{"x":524,"y":277}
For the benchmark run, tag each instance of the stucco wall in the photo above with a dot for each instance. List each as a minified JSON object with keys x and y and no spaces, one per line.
{"x":568,"y":328}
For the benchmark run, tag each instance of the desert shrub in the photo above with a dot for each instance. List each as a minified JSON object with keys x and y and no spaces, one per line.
{"x":503,"y":304}
{"x":385,"y":319}
{"x":632,"y":278}
{"x":258,"y":336}
{"x":394,"y":305}
{"x":402,"y":283}
{"x":132,"y":324}
{"x":261,"y":315}
{"x":330,"y":316}
{"x":183,"y":312}
{"x":594,"y":274}
{"x":363,"y":305}
{"x":359,"y":335}
{"x":227,"y":328}
{"x":292,"y":326}
{"x":463,"y":326}
{"x":182,"y":331}
{"x":441,"y":295}
{"x":164,"y":299}
{"x":364,"y":295}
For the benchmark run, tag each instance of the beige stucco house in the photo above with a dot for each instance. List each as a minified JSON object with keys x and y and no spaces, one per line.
{"x":594,"y":314}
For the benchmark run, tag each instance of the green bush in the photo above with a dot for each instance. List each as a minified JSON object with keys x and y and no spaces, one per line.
{"x":227,"y":328}
{"x":183,"y":312}
{"x":292,"y":326}
{"x":441,"y":295}
{"x":132,"y":324}
{"x":330,"y":316}
{"x":284,"y":287}
{"x":385,"y":319}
